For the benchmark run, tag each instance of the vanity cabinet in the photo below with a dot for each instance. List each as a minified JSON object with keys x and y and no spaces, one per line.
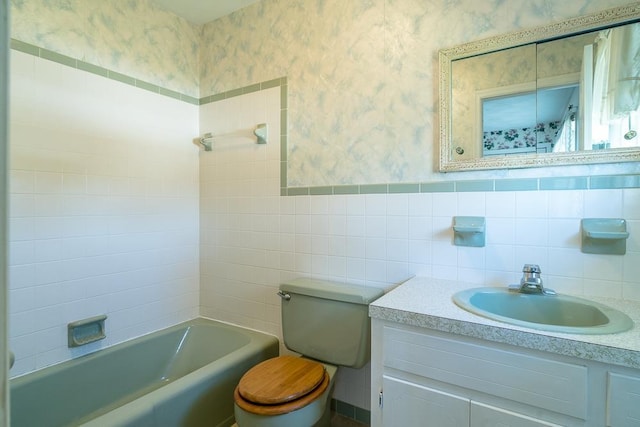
{"x":407,"y":403}
{"x":623,"y":400}
{"x":429,"y":378}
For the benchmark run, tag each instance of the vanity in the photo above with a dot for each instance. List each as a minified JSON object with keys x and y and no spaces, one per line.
{"x":435,"y":364}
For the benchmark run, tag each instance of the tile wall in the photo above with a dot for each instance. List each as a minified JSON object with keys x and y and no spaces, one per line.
{"x":103,"y":209}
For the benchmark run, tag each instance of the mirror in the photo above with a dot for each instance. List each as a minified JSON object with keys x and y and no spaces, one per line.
{"x":567,"y":93}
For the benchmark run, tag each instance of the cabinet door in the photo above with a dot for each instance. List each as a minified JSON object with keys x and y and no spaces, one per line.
{"x":410,"y":404}
{"x":489,"y":416}
{"x":623,"y":401}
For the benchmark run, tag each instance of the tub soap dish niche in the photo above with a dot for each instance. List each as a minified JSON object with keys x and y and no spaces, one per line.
{"x":85,"y":331}
{"x":469,"y":231}
{"x":604,"y":236}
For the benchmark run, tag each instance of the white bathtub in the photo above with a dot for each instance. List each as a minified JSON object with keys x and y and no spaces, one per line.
{"x":181,"y":376}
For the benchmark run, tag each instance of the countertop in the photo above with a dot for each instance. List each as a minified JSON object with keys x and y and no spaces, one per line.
{"x":426,"y":302}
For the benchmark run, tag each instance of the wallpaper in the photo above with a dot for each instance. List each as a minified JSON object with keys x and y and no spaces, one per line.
{"x":362,"y":74}
{"x":131,"y":37}
{"x":520,"y":140}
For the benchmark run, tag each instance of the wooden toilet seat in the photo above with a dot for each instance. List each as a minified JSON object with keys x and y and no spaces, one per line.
{"x":281,"y":385}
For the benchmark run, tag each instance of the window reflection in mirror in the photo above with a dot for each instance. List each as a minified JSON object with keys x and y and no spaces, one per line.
{"x":558,"y":119}
{"x":616,"y":88}
{"x":509,"y":124}
{"x":501,"y":76}
{"x":544,"y":121}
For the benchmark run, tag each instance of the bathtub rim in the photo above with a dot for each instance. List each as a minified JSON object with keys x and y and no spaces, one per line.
{"x":199,"y":320}
{"x":144,"y":405}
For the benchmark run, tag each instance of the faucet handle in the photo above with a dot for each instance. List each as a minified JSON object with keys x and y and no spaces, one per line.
{"x":531,"y":268}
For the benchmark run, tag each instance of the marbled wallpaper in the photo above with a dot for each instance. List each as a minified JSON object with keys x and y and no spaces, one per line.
{"x":362,"y":75}
{"x":131,"y":37}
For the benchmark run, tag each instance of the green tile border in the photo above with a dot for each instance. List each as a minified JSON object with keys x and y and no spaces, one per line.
{"x":484,"y":185}
{"x":346,"y":189}
{"x":466,"y":186}
{"x":438,"y":187}
{"x":94,"y":69}
{"x":615,"y":181}
{"x":404,"y":188}
{"x":59,"y":58}
{"x":564,"y":183}
{"x":68,"y":61}
{"x":25,"y":47}
{"x":350,"y":411}
{"x":524,"y":184}
{"x":321,"y":191}
{"x":461,"y":186}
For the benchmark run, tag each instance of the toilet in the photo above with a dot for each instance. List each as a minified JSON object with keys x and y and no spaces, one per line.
{"x":328,"y":324}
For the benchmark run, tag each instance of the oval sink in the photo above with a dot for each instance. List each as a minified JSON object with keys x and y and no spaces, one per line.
{"x":554,"y":313}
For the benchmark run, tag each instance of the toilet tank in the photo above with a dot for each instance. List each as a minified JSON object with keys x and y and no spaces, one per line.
{"x":328,"y":321}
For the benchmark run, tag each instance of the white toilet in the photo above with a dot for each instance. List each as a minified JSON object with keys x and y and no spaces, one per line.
{"x":326,"y":322}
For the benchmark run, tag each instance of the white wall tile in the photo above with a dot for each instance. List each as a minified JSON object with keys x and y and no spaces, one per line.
{"x":445,"y":204}
{"x":603,"y":204}
{"x":531,"y":204}
{"x":398,"y":204}
{"x":85,"y":221}
{"x":376,"y":226}
{"x":566,"y":204}
{"x":471,"y":204}
{"x":530,"y":255}
{"x":564,"y":233}
{"x":501,"y":204}
{"x":442,"y":228}
{"x":420,"y":204}
{"x":472,"y":258}
{"x":500,"y":231}
{"x":631,"y":207}
{"x":564,"y":262}
{"x":532,"y":232}
{"x":602,"y":288}
{"x":376,"y":204}
{"x":599,"y":267}
{"x":397,"y":227}
{"x":499,"y":258}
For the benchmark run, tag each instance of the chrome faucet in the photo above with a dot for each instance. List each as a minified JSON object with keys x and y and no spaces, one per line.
{"x":531,"y":282}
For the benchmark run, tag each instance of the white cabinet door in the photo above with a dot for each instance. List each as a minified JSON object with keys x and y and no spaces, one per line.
{"x":489,"y":416}
{"x":623,"y":401}
{"x":409,"y":404}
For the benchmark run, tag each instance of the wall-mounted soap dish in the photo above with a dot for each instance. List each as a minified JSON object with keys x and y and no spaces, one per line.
{"x":469,"y":231}
{"x":86,"y":331}
{"x":604,"y":236}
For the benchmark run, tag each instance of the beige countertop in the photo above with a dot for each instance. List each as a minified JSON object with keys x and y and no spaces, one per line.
{"x":426,"y":302}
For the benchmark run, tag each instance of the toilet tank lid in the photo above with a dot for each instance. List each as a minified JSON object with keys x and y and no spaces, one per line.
{"x":332,"y":290}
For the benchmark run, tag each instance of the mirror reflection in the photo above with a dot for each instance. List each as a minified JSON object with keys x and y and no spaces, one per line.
{"x":578,"y":94}
{"x":616,"y":87}
{"x":541,"y":121}
{"x":603,"y":65}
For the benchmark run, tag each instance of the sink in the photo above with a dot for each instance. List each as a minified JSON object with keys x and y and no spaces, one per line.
{"x":553,"y":313}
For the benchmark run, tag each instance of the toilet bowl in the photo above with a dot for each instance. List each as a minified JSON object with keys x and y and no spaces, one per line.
{"x":328,"y":324}
{"x":286,"y":391}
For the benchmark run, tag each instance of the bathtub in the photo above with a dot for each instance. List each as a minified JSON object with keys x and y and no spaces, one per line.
{"x":181,"y":376}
